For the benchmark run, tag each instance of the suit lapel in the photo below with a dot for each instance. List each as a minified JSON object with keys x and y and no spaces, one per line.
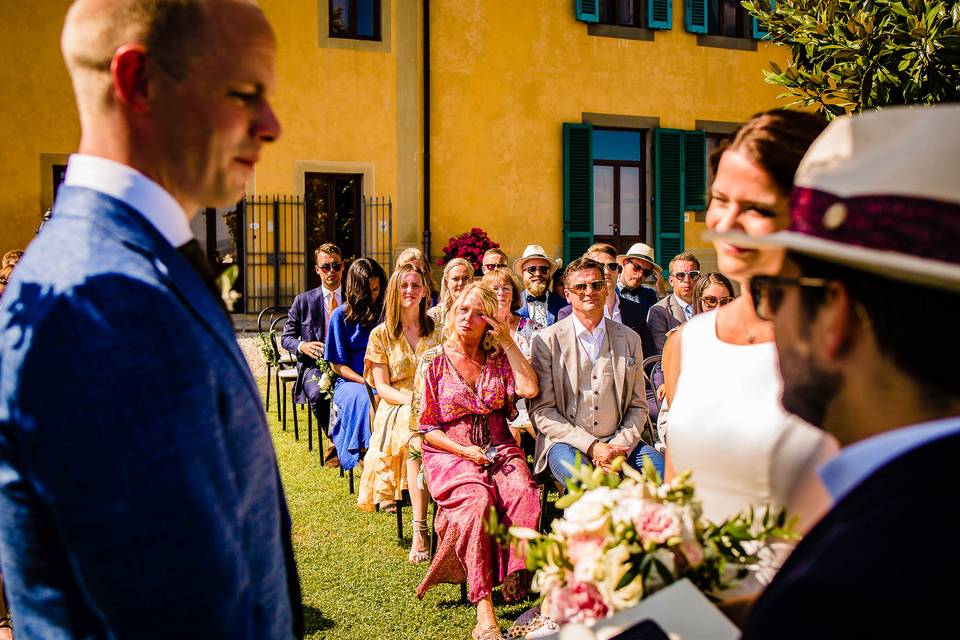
{"x":677,"y":310}
{"x":567,"y":339}
{"x":618,"y":350}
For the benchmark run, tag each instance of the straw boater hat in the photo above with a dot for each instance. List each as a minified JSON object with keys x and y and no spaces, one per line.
{"x":535,"y":251}
{"x":642,"y":252}
{"x":880,"y":192}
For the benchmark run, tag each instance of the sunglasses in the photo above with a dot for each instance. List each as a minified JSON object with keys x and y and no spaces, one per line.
{"x":610,"y":266}
{"x":682,"y":275}
{"x":492,"y":267}
{"x":327,"y":266}
{"x":767,"y":292}
{"x":639,"y":267}
{"x":535,"y":270}
{"x":710,"y":302}
{"x":581,"y":287}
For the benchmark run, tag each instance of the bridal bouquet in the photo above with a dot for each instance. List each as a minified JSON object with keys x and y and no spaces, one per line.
{"x":621,"y":539}
{"x":326,"y":380}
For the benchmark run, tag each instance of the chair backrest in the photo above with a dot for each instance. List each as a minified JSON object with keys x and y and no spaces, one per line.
{"x":270,"y":314}
{"x":653,"y":376}
{"x":273,"y":332}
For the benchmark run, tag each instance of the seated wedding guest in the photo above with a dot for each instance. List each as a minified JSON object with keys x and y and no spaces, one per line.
{"x":457,"y":274}
{"x":506,"y":288}
{"x":5,"y":273}
{"x":306,"y":329}
{"x":636,"y":266}
{"x":414,"y":256}
{"x":11,"y":258}
{"x":676,"y":308}
{"x":712,"y":290}
{"x":537,"y":301}
{"x":466,"y":397}
{"x":592,"y":401}
{"x":393,"y":350}
{"x":494,"y":259}
{"x":625,"y":312}
{"x":726,"y":423}
{"x":346,"y":348}
{"x":875,"y":210}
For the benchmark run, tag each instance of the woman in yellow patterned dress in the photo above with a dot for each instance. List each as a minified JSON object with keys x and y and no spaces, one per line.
{"x":393,"y":351}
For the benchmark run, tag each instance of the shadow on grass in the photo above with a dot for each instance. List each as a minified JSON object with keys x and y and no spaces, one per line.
{"x":314,"y":620}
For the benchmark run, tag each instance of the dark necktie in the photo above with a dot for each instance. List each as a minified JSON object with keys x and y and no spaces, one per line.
{"x":198,"y":260}
{"x":542,"y":298}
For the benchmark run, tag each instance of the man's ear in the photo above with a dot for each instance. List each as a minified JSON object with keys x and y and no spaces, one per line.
{"x":840,"y":322}
{"x":131,"y":82}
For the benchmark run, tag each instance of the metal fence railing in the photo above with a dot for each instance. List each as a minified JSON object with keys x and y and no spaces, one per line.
{"x":377,"y":230}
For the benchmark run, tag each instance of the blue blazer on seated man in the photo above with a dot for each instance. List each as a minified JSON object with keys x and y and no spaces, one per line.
{"x":306,"y":328}
{"x":137,"y":474}
{"x":537,"y":301}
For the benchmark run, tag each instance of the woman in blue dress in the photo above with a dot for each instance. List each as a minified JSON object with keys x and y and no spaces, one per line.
{"x":347,"y":337}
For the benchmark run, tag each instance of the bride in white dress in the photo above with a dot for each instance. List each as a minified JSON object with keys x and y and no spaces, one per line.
{"x":722,"y":381}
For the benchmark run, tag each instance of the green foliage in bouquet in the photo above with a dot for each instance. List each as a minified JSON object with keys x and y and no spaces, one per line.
{"x":622,"y":538}
{"x":853,"y":55}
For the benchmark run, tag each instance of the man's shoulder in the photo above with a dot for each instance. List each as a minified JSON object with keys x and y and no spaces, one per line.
{"x":662,"y":304}
{"x":554,"y":330}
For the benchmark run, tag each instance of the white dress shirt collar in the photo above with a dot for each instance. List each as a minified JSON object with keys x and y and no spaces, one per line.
{"x":331,"y":292}
{"x":133,"y":189}
{"x":685,"y":306}
{"x":590,"y":340}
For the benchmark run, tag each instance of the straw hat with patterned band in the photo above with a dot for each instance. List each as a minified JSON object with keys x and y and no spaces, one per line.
{"x":641,"y":252}
{"x":880,"y":192}
{"x":535,"y":251}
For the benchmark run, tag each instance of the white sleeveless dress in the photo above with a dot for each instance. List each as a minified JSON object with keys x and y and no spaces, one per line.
{"x":727,"y":425}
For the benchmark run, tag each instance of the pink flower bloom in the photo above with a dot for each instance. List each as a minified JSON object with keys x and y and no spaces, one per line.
{"x":692,"y":551}
{"x":657,"y":523}
{"x":575,"y":602}
{"x":583,"y":547}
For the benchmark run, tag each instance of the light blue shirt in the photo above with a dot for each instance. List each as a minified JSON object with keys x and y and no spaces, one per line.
{"x":857,"y":462}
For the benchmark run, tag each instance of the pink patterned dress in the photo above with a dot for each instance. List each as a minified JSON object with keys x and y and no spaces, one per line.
{"x":463,"y":490}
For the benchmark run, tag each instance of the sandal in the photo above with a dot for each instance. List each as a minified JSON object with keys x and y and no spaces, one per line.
{"x":532,"y":624}
{"x":388,"y":507}
{"x":516,"y":586}
{"x":419,"y":529}
{"x":488,"y":633}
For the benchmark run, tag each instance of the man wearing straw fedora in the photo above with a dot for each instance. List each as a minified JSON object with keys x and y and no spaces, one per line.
{"x":636,"y":265}
{"x":871,"y":271}
{"x":537,"y":301}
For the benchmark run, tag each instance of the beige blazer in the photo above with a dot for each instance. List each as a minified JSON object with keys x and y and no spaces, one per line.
{"x":553,"y":412}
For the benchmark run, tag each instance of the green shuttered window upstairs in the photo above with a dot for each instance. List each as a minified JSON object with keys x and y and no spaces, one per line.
{"x":577,"y":189}
{"x":588,"y":10}
{"x":695,"y":15}
{"x":660,"y":14}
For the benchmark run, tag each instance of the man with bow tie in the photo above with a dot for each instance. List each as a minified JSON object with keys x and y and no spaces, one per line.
{"x":537,"y":301}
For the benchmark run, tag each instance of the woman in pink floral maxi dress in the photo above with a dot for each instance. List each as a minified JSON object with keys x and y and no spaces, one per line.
{"x":471,"y":460}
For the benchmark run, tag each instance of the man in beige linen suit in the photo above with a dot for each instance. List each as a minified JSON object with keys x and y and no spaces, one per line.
{"x":592,"y":399}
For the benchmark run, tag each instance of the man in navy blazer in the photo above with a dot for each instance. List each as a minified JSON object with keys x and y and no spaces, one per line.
{"x":139,"y":490}
{"x":537,"y":301}
{"x":677,"y":307}
{"x":882,"y":562}
{"x":306,"y":327}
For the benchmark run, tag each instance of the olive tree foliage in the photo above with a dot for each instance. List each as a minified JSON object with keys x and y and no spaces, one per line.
{"x":852,"y":55}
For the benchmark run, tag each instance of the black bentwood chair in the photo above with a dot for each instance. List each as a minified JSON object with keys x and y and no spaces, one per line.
{"x":265,"y":320}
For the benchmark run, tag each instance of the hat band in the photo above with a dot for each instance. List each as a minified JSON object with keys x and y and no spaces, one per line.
{"x":913,"y":226}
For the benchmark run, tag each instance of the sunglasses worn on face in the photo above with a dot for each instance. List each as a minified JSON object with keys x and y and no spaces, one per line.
{"x":327,"y":266}
{"x":491,"y":267}
{"x":611,"y":266}
{"x":711,"y":301}
{"x":767,"y":292}
{"x":682,"y":275}
{"x":541,"y":270}
{"x":581,"y":287}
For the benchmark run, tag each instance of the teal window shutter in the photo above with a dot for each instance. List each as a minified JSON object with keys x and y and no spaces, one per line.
{"x":588,"y":10}
{"x":756,"y":28}
{"x":695,"y":15}
{"x":660,"y":14}
{"x":694,"y":170}
{"x":668,"y":192}
{"x":577,"y":189}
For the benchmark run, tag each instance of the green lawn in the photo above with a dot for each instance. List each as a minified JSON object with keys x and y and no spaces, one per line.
{"x":356,"y":581}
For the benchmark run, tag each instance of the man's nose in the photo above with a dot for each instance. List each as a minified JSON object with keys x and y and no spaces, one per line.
{"x":266,"y":126}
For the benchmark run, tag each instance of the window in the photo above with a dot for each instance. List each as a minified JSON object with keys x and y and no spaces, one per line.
{"x":356,"y":19}
{"x":619,"y":181}
{"x":727,"y":18}
{"x":623,"y":13}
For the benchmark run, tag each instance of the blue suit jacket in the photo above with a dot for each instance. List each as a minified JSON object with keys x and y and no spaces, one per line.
{"x":306,"y":322}
{"x":139,"y":491}
{"x":554,"y":304}
{"x":871,"y":567}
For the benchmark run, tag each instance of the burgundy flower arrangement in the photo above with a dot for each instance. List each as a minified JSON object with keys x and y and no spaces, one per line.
{"x":470,"y":245}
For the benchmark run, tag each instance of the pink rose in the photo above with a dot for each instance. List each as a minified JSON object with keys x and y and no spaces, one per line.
{"x":575,"y":602}
{"x":583,"y":547}
{"x":693,"y":552}
{"x":657,"y":523}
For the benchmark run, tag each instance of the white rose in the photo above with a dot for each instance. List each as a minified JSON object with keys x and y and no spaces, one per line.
{"x":613,"y":566}
{"x":626,"y":510}
{"x":590,"y":515}
{"x":324,"y":383}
